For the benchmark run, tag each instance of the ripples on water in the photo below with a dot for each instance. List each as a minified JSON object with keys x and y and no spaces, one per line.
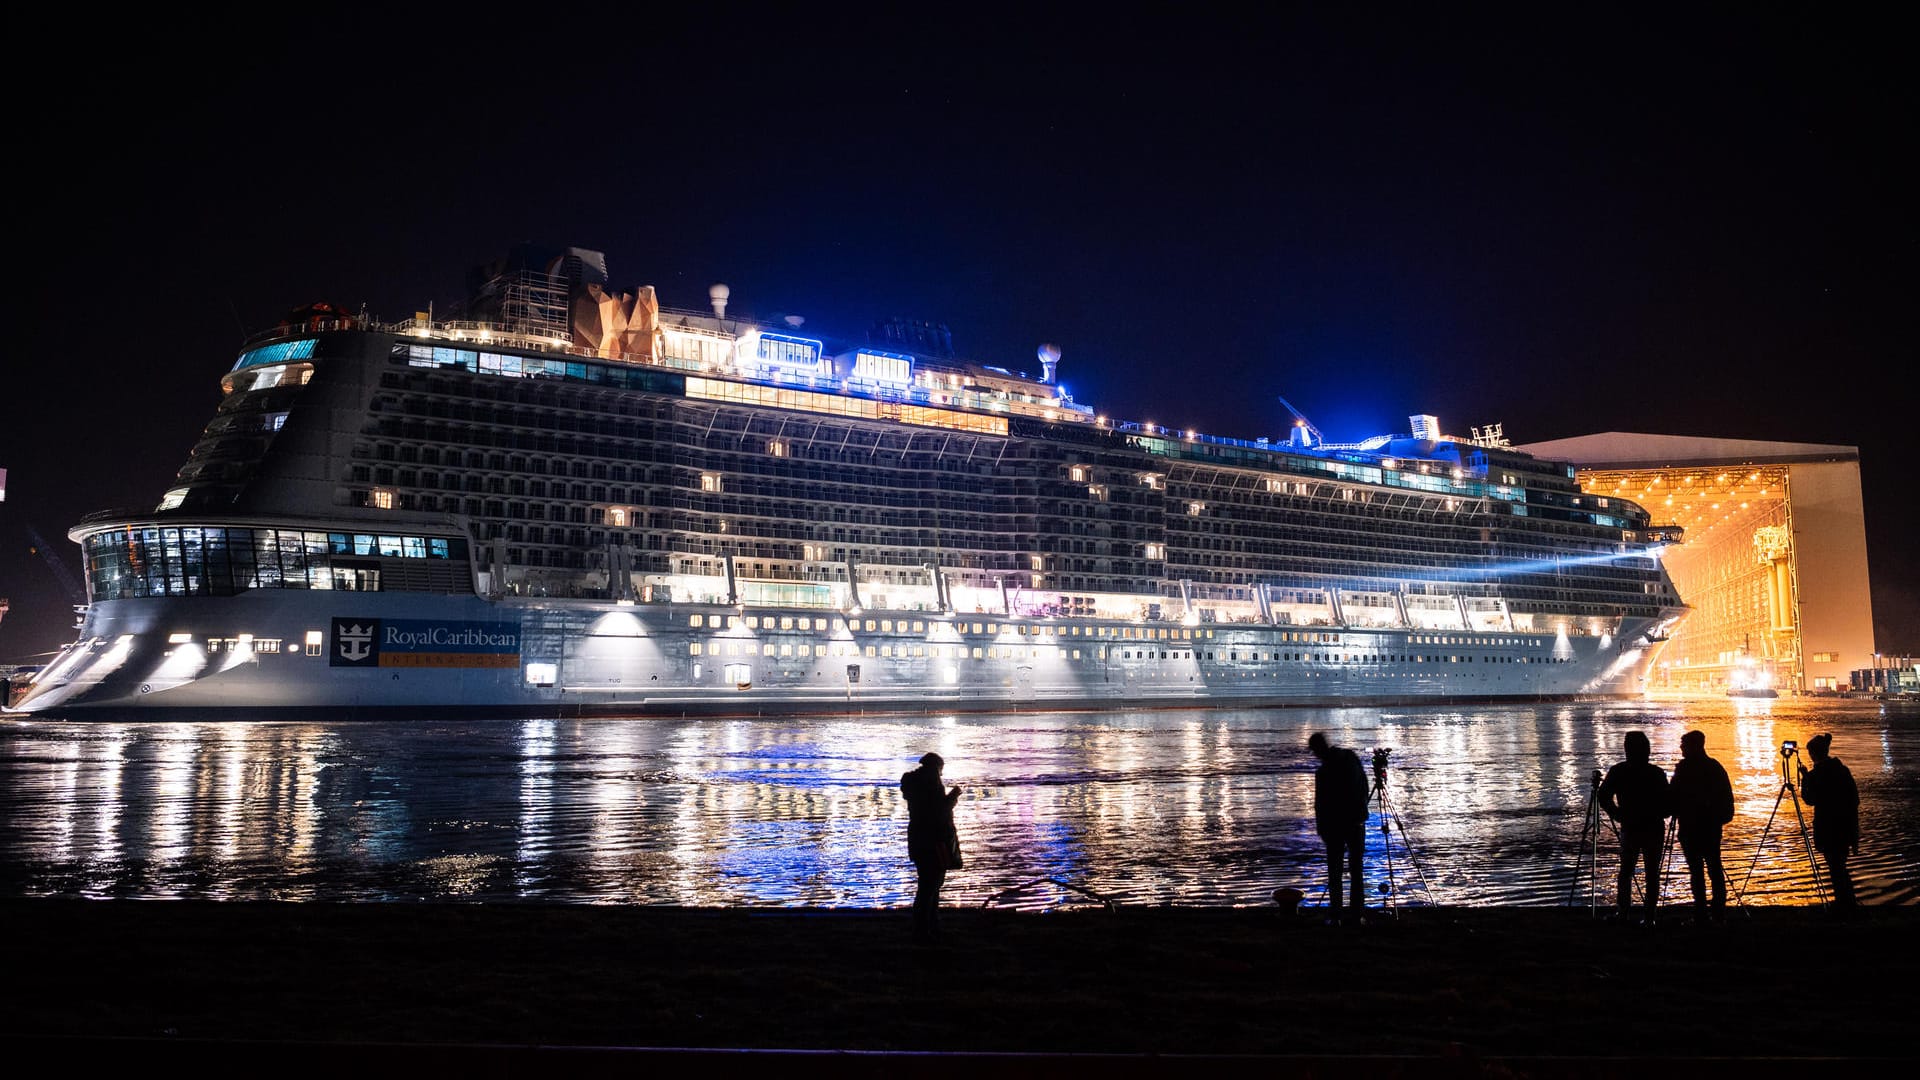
{"x":1186,"y":808}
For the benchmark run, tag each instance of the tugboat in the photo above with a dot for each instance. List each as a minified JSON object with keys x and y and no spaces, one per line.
{"x":1750,"y":679}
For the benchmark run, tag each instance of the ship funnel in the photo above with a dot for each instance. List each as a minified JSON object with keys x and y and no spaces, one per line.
{"x":1049,"y":359}
{"x":718,"y":294}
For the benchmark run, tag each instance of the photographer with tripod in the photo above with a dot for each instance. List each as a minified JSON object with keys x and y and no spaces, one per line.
{"x":1828,"y":787}
{"x":1634,"y":795}
{"x":1340,"y":817}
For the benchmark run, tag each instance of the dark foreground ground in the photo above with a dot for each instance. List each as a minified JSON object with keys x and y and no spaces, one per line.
{"x":525,"y":990}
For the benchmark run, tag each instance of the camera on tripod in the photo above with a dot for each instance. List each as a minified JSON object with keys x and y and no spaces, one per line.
{"x":1380,"y":763}
{"x":1597,"y":779}
{"x":1789,"y":748}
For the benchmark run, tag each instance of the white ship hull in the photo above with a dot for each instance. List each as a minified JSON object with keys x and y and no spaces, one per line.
{"x":205,"y":659}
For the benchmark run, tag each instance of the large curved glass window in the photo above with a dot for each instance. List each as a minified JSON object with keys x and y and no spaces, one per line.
{"x":194,"y":560}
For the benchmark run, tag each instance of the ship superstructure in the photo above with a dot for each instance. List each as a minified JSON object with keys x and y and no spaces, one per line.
{"x":565,"y":500}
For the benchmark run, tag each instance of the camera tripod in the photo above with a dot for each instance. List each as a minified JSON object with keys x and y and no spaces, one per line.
{"x":1789,"y":752}
{"x":1390,"y":818}
{"x":1590,"y":848}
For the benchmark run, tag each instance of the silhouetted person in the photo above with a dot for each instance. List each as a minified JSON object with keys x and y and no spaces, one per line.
{"x":1828,"y":787}
{"x":1702,"y":800}
{"x":932,"y":841}
{"x":1340,"y":817}
{"x":1634,"y":795}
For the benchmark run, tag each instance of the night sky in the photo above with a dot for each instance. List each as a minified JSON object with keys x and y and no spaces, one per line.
{"x":1640,"y":222}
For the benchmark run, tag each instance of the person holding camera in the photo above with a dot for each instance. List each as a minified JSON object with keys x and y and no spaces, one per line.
{"x":1340,"y":817}
{"x":1634,"y":795}
{"x":1828,"y":787}
{"x":1702,"y":801}
{"x":932,"y":841}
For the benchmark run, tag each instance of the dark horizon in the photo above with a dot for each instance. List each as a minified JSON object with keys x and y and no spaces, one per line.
{"x":1693,"y":228}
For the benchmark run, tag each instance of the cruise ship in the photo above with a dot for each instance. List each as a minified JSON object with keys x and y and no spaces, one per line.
{"x":562,"y":499}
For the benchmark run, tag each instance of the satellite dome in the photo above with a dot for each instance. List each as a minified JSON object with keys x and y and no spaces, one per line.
{"x":1049,"y":357}
{"x":718,"y":294}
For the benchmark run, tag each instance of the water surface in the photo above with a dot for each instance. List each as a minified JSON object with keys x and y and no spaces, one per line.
{"x":1203,"y":808}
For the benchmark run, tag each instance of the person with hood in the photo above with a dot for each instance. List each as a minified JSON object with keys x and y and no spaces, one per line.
{"x":1828,"y":787}
{"x":1634,"y":795}
{"x":1340,"y":817}
{"x":1702,"y":800}
{"x":932,"y":841}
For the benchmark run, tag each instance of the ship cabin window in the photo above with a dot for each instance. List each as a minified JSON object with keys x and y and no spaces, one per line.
{"x":381,"y":499}
{"x":696,"y":620}
{"x":1078,"y":474}
{"x":890,"y":369}
{"x":356,"y":579}
{"x":710,"y":482}
{"x":777,"y":354}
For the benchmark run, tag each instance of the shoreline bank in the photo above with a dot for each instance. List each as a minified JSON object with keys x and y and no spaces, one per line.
{"x":1522,"y":983}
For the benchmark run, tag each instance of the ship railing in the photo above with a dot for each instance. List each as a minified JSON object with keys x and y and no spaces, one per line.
{"x":119,"y":513}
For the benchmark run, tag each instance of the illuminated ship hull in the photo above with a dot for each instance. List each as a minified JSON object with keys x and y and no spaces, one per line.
{"x":673,"y":514}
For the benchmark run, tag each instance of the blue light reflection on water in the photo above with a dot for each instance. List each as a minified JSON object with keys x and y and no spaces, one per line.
{"x":1190,"y":808}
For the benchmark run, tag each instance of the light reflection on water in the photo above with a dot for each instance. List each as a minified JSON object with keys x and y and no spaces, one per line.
{"x":1203,"y":808}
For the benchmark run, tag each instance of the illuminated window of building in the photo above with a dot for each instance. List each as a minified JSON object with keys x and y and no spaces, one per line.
{"x":777,"y":447}
{"x":617,"y":516}
{"x":1156,"y":551}
{"x":381,"y":499}
{"x":1097,"y":492}
{"x":693,"y":648}
{"x":710,"y":482}
{"x":1078,"y":474}
{"x":1194,"y":508}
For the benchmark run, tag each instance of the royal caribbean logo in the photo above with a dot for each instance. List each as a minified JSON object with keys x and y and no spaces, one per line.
{"x":424,"y":643}
{"x":356,"y":643}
